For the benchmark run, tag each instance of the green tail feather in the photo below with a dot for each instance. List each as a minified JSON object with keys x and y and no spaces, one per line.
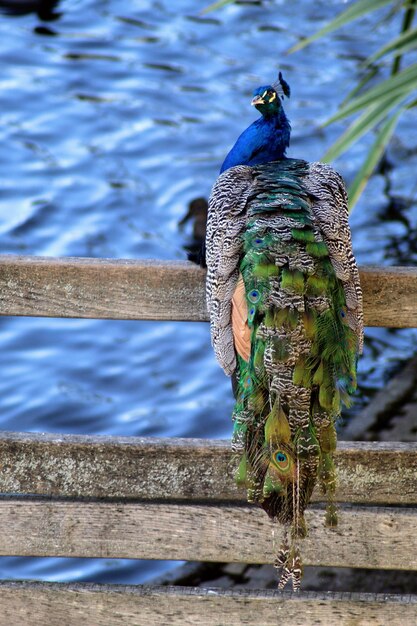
{"x":303,"y":356}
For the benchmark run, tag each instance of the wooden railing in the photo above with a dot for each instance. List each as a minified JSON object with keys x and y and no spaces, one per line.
{"x":113,"y":497}
{"x":133,"y":290}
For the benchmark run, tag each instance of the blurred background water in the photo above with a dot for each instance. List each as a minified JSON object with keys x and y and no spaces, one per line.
{"x":114,"y":115}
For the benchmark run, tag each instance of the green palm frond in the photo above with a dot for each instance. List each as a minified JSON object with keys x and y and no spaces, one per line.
{"x":370,"y":118}
{"x":399,"y":45}
{"x":401,"y":84}
{"x":371,"y":73}
{"x":373,"y":158}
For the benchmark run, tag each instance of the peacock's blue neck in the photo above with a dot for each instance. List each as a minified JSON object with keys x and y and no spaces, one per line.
{"x":265,"y":140}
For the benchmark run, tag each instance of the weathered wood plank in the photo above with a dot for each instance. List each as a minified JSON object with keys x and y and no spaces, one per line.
{"x":128,"y":289}
{"x":366,"y":537}
{"x":101,"y":288}
{"x":55,"y":604}
{"x":163,"y":469}
{"x":389,"y":296}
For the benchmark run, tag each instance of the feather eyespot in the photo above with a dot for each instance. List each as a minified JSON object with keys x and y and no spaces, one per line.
{"x":281,"y":460}
{"x":258,"y":242}
{"x":247,"y":383}
{"x":254,"y":296}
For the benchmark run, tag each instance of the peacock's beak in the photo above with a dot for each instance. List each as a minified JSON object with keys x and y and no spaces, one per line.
{"x":257,"y":100}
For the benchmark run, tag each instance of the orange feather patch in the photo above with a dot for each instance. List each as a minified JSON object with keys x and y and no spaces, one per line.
{"x":241,"y":330}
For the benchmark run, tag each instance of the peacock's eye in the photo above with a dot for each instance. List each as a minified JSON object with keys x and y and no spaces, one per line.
{"x":247,"y":383}
{"x":254,"y":296}
{"x":282,"y":461}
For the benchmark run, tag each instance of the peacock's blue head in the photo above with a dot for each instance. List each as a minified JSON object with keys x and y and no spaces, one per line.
{"x":267,"y":99}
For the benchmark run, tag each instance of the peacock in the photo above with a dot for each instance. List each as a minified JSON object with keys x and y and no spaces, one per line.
{"x":285,"y":306}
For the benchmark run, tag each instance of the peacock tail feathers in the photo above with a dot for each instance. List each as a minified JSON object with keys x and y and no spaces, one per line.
{"x":286,"y":320}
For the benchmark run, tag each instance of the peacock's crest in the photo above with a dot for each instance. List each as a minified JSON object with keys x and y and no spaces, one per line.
{"x":281,"y":86}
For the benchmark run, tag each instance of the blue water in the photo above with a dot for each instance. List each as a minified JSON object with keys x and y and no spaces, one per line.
{"x":114,"y":115}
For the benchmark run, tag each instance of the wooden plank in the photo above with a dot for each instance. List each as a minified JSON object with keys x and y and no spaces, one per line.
{"x":128,"y":289}
{"x":101,"y":288}
{"x":164,"y":469}
{"x":55,"y":604}
{"x":389,"y":296}
{"x":366,"y":537}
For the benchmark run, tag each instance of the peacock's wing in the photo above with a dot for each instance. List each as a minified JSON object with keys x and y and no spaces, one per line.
{"x":226,"y":223}
{"x":330,"y":209}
